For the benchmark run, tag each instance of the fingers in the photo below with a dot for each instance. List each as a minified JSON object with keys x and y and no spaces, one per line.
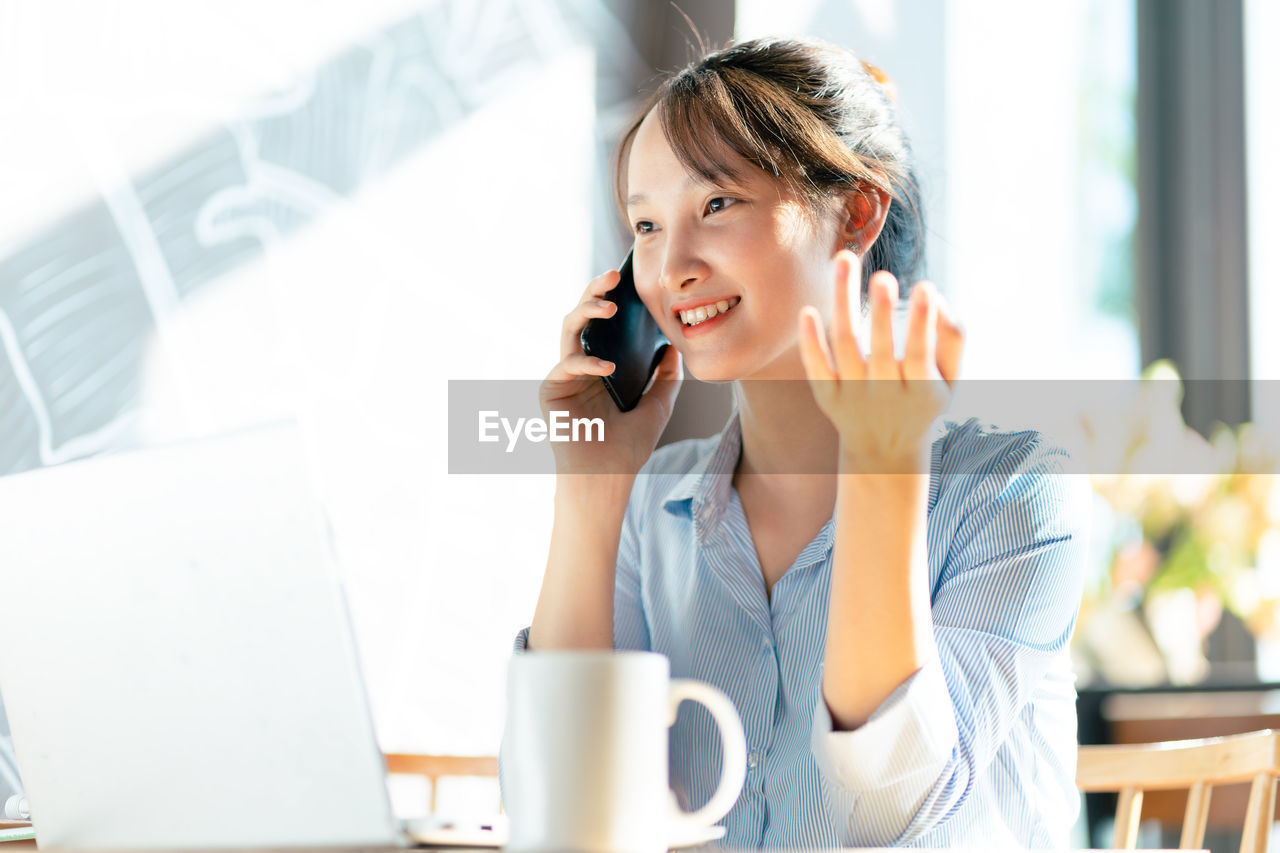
{"x":883,"y":294}
{"x":592,"y":304}
{"x":601,"y":285}
{"x":580,"y":364}
{"x":848,"y":360}
{"x":814,"y":351}
{"x":918,"y":355}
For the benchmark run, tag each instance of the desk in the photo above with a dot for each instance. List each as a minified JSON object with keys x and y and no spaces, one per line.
{"x":17,"y":846}
{"x":14,"y":846}
{"x":9,"y":847}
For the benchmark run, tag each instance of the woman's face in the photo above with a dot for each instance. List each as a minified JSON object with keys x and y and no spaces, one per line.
{"x":697,"y":243}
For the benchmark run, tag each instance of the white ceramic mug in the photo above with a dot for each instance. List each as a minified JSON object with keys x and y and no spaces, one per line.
{"x":585,"y":753}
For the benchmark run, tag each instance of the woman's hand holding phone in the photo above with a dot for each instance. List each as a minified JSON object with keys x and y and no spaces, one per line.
{"x":574,"y":386}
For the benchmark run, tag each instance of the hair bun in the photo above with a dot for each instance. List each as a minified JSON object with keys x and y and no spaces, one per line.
{"x":886,"y":83}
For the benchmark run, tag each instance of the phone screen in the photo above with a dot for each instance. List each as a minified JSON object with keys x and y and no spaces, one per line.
{"x":630,"y":339}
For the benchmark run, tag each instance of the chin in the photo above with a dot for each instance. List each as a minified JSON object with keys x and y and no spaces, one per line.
{"x":715,"y":380}
{"x":712,"y":371}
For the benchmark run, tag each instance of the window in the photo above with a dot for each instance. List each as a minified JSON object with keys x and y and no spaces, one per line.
{"x":1022,"y":119}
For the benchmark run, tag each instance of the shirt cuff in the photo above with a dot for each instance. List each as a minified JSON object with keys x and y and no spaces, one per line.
{"x":522,"y":640}
{"x":912,"y":733}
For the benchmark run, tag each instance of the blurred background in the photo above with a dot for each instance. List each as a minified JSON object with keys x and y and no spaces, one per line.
{"x":220,"y":214}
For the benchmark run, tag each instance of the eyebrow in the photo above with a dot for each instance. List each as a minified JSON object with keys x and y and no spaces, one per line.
{"x":637,"y":198}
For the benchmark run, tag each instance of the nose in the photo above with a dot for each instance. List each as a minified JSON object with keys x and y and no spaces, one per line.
{"x":682,"y":266}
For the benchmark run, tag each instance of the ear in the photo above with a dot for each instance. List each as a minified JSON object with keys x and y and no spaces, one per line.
{"x":863,"y":216}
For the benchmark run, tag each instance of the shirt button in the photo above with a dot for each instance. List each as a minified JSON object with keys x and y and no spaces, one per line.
{"x":753,"y":759}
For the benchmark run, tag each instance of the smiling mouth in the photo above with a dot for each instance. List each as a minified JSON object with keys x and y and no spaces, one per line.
{"x":707,"y":312}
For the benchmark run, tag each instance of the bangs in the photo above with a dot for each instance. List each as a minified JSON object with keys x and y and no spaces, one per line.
{"x":707,"y":133}
{"x":723,"y":122}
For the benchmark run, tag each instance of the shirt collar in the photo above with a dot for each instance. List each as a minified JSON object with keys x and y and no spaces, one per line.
{"x":708,"y":483}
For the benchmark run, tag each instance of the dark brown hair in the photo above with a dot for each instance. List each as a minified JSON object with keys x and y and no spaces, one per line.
{"x":810,"y":115}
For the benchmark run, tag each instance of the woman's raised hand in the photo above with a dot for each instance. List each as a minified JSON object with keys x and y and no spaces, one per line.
{"x":884,"y":423}
{"x":574,"y":386}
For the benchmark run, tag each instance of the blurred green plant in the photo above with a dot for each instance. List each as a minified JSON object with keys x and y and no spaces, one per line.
{"x":1181,"y":547}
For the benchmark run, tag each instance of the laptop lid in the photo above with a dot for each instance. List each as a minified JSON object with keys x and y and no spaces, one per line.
{"x":176,"y":655}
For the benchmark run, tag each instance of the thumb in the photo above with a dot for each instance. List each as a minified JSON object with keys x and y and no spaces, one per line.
{"x":671,"y":366}
{"x":667,"y":379}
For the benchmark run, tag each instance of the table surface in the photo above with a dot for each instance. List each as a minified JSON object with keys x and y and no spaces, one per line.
{"x":14,"y":846}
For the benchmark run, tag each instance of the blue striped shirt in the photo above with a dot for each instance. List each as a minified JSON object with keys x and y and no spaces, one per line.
{"x":976,"y":748}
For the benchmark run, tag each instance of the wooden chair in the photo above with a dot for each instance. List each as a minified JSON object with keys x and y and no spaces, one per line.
{"x":1196,"y":765}
{"x":437,"y":767}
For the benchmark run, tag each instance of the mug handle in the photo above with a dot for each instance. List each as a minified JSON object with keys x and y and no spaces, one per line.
{"x":734,"y":746}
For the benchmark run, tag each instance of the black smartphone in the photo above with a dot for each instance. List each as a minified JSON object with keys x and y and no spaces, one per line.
{"x":630,"y":339}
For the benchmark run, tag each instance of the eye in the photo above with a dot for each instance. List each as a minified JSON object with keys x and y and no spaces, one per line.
{"x":719,"y":198}
{"x":640,"y":227}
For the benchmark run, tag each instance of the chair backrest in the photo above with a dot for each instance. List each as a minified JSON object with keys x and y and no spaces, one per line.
{"x":1196,"y":765}
{"x":436,"y":767}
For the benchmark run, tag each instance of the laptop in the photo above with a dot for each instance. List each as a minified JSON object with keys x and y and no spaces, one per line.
{"x":177,"y":660}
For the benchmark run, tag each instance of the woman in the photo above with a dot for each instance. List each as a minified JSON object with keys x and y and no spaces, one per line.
{"x":887,"y":600}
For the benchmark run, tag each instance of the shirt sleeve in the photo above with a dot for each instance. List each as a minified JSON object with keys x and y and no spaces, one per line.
{"x":1003,"y":609}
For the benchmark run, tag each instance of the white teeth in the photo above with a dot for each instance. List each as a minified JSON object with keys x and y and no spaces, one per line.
{"x":706,"y":312}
